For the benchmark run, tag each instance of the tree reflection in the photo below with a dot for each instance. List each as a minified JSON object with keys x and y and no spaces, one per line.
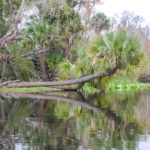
{"x":60,"y":121}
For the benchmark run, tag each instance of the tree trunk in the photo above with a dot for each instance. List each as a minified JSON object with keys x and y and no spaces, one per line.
{"x":67,"y":51}
{"x":42,"y":59}
{"x":61,"y":83}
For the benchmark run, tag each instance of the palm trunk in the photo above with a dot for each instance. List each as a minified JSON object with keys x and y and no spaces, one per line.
{"x":67,"y":51}
{"x":79,"y":81}
{"x":42,"y":59}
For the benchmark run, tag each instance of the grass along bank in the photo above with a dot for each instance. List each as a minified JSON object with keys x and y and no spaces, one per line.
{"x":28,"y":90}
{"x":121,"y":85}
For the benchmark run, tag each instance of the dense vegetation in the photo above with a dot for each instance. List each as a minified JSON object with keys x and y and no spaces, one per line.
{"x":51,"y":40}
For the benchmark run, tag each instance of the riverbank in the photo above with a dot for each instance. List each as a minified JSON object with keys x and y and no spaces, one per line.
{"x":87,"y":88}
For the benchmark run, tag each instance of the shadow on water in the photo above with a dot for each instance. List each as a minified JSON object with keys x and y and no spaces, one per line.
{"x":69,"y":121}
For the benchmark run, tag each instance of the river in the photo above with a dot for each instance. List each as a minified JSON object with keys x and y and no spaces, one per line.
{"x":118,"y":120}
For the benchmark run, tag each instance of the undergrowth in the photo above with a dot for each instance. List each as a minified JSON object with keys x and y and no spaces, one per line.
{"x":121,"y":85}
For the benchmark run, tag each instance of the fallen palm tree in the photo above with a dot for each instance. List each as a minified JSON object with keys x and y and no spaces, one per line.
{"x":59,"y":84}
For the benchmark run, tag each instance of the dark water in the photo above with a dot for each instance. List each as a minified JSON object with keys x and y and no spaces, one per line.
{"x":69,"y":121}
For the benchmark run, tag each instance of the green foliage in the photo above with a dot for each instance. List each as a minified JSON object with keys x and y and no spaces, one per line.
{"x":64,"y":18}
{"x":18,"y":65}
{"x":99,"y":22}
{"x":25,"y":69}
{"x":89,"y":89}
{"x":53,"y":59}
{"x":123,"y":85}
{"x":68,"y":70}
{"x":39,"y":33}
{"x":82,"y":65}
{"x":80,"y":56}
{"x":115,"y":49}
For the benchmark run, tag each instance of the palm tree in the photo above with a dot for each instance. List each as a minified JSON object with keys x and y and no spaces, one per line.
{"x":40,"y":35}
{"x":99,"y":22}
{"x":115,"y":49}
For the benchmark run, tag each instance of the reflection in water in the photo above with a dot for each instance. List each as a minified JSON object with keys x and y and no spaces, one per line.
{"x":68,"y":121}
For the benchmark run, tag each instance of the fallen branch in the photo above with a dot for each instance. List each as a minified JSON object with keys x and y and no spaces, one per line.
{"x":66,"y":88}
{"x":79,"y":81}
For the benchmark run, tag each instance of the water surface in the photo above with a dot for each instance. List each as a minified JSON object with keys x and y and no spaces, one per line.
{"x":69,"y":121}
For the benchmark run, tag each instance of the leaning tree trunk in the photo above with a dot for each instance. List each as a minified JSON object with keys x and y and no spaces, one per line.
{"x":79,"y":81}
